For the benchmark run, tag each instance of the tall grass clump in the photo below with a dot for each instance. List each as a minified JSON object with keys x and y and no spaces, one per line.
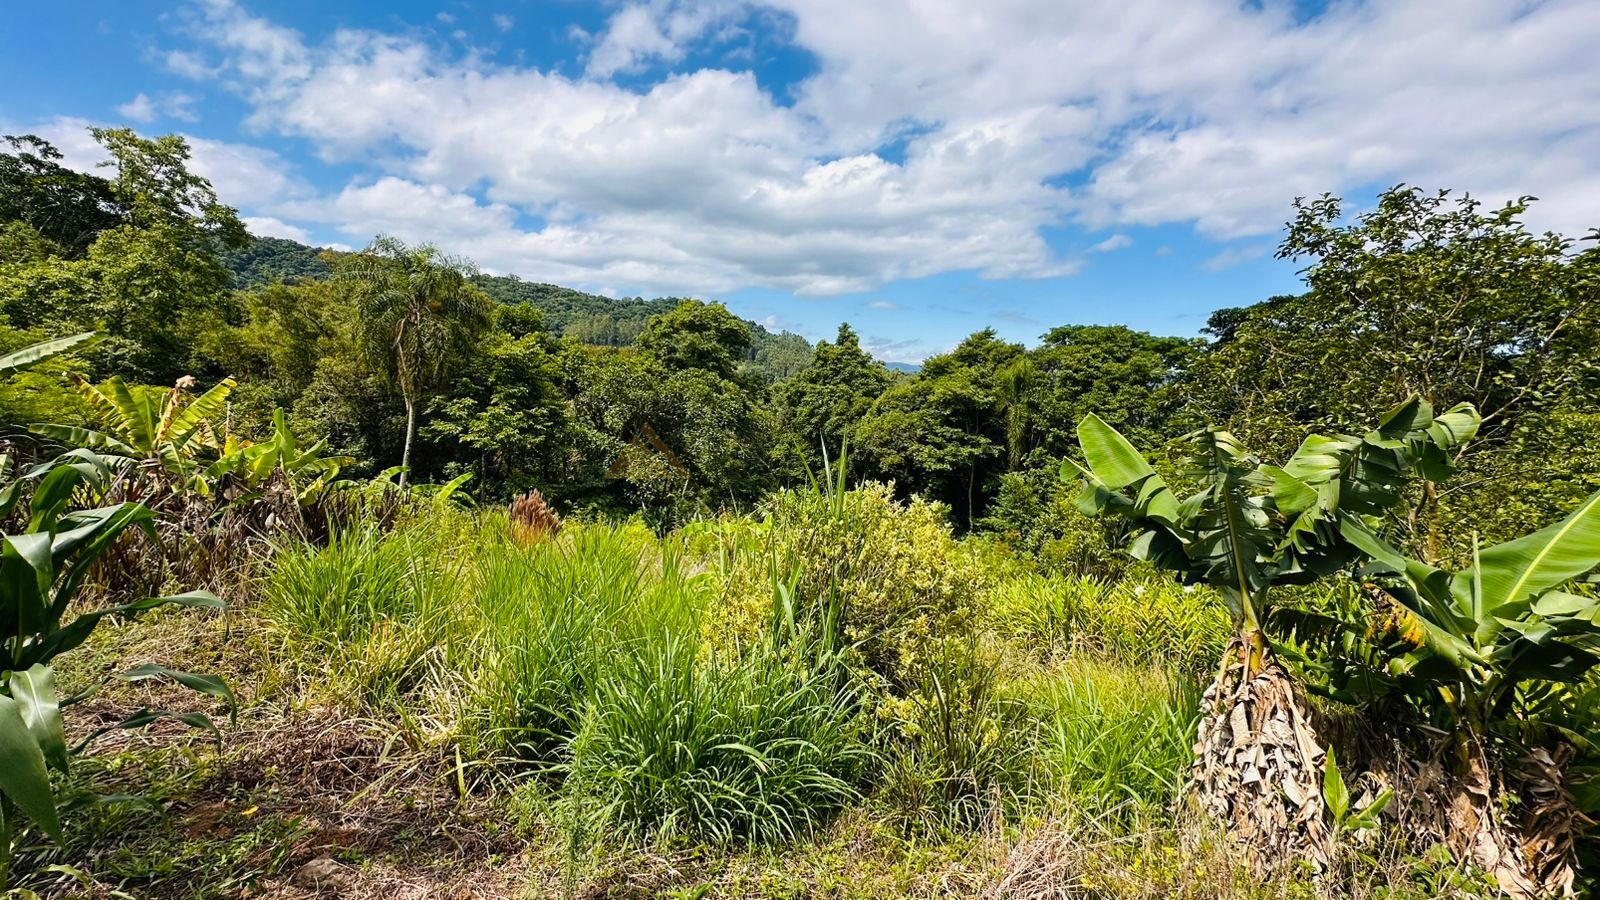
{"x":1117,"y":740}
{"x":1137,"y":621}
{"x":560,"y":617}
{"x":365,"y":611}
{"x":760,"y":747}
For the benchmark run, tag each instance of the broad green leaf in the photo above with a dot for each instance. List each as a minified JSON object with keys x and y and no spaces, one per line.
{"x":1561,"y":603}
{"x":1537,"y":562}
{"x":34,"y":689}
{"x":187,"y":425}
{"x":1334,"y":792}
{"x":34,"y":354}
{"x":23,"y":778}
{"x":1117,"y":465}
{"x":1111,"y":456}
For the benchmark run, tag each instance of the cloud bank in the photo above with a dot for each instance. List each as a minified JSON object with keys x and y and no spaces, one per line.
{"x":926,"y":138}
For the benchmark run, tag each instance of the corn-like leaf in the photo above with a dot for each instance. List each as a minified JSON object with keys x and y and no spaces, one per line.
{"x":144,"y":717}
{"x":205,"y":684}
{"x":34,"y":689}
{"x":1368,"y":816}
{"x":23,"y":778}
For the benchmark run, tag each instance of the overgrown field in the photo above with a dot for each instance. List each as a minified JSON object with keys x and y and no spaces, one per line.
{"x":831,"y":698}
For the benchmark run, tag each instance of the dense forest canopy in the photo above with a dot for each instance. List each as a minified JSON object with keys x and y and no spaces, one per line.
{"x":674,"y":406}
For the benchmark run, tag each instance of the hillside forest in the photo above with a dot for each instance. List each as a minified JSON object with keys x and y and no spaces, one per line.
{"x":369,"y":572}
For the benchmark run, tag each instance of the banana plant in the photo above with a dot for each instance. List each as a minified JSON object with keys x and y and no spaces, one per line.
{"x":307,"y":471}
{"x":165,"y":426}
{"x":1251,"y":525}
{"x":1465,"y":643}
{"x":43,"y":571}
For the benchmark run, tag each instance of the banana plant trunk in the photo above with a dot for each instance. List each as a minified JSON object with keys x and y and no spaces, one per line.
{"x":1516,"y":822}
{"x":1258,"y":760}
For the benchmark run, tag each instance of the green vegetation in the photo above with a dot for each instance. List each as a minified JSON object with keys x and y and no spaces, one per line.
{"x":626,"y":620}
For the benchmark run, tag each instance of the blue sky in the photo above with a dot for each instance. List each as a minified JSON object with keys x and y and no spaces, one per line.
{"x":920,"y":168}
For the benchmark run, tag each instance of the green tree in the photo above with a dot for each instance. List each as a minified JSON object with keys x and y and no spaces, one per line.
{"x":1428,"y":294}
{"x":1125,"y":377}
{"x":136,"y":254}
{"x":944,"y":432}
{"x":823,"y":402}
{"x":697,"y":335}
{"x":505,"y":417}
{"x":66,"y":208}
{"x":417,"y":313}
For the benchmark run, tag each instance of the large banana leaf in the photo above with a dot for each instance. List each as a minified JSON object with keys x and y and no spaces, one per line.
{"x":1114,"y":466}
{"x":73,"y":436}
{"x":188,"y":424}
{"x":30,"y":356}
{"x":1528,"y":566}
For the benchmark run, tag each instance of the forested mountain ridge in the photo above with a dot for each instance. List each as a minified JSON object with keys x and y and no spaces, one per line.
{"x":590,"y":318}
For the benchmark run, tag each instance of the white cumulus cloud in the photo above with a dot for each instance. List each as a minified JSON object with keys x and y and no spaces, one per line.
{"x":928,"y":137}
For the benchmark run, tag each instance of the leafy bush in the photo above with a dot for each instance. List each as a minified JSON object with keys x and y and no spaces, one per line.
{"x":962,"y":743}
{"x":899,"y":575}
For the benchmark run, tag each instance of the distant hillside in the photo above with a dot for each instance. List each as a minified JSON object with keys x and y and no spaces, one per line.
{"x":266,"y":260}
{"x":908,"y":368}
{"x":590,"y":318}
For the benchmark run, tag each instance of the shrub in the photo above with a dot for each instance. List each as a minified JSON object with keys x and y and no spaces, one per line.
{"x":961,"y":743}
{"x":899,"y":575}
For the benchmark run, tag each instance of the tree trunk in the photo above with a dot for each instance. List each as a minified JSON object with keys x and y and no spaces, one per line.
{"x":1258,"y":763}
{"x":411,"y":432}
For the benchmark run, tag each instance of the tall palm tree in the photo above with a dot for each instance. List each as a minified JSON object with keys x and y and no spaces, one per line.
{"x":417,"y":312}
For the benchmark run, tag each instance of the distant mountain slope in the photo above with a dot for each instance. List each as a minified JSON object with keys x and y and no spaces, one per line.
{"x":591,"y":318}
{"x":266,"y":260}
